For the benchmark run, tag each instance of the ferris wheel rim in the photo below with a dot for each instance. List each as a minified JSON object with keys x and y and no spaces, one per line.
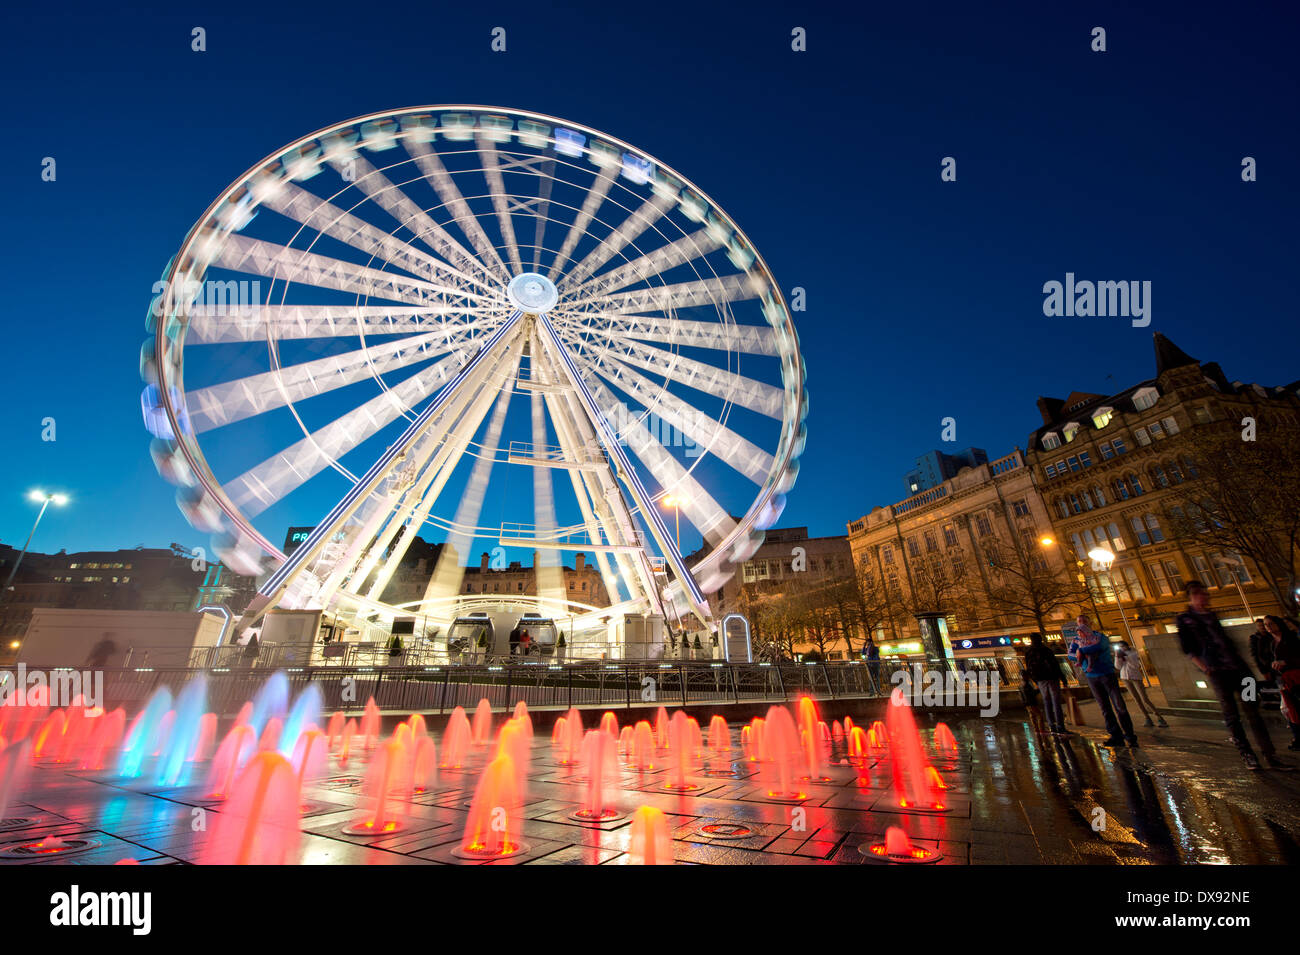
{"x":190,"y":448}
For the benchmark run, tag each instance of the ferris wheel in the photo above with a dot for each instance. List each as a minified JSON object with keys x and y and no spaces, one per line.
{"x":495,"y":327}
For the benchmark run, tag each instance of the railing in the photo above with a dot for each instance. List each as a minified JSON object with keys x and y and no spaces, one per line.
{"x":438,"y":689}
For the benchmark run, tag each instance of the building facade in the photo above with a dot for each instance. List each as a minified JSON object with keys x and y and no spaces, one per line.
{"x":1116,"y":471}
{"x":929,"y":565}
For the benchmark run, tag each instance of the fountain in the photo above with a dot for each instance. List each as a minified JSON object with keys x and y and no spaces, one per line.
{"x":235,"y":750}
{"x":424,"y":765}
{"x":609,"y":724}
{"x":370,"y":723}
{"x":205,"y":739}
{"x":107,"y":739}
{"x":811,"y":741}
{"x":643,"y":747}
{"x":679,"y":754}
{"x":625,"y":740}
{"x":271,"y":699}
{"x":483,"y":723}
{"x":455,"y":740}
{"x":493,"y":829}
{"x":142,"y":739}
{"x":345,"y":749}
{"x":384,"y":782}
{"x":334,"y":730}
{"x":15,"y":765}
{"x":259,"y":824}
{"x":782,"y":741}
{"x":271,"y":734}
{"x":178,"y":744}
{"x":570,"y":738}
{"x":913,"y":787}
{"x":661,"y":727}
{"x":304,"y":713}
{"x":944,"y":741}
{"x":651,"y":843}
{"x":897,"y":847}
{"x":600,"y":765}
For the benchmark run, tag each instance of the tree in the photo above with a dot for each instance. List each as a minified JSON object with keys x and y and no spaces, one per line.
{"x":1243,"y":497}
{"x":1023,"y":582}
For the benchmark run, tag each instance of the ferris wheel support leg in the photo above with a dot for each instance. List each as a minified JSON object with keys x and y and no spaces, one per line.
{"x":640,"y":496}
{"x":308,"y":550}
{"x":599,"y":499}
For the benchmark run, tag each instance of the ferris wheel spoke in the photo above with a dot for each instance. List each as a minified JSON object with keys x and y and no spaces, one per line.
{"x":449,"y":572}
{"x":259,"y":257}
{"x":500,"y":203}
{"x":736,"y":451}
{"x":388,"y":196}
{"x":757,"y":396}
{"x":650,"y":212}
{"x":595,"y":196}
{"x":681,"y":332}
{"x":307,"y":209}
{"x":213,"y":325}
{"x":642,"y":269}
{"x":263,"y":485}
{"x":223,"y":404}
{"x":708,"y":516}
{"x":667,"y":298}
{"x":432,"y":166}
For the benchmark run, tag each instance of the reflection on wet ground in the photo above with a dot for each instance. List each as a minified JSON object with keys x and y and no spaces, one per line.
{"x":1016,"y":796}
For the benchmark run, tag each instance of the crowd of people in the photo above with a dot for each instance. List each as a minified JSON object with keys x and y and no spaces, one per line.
{"x":1111,"y":667}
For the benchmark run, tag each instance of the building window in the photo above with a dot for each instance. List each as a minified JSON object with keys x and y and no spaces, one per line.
{"x":1159,"y":579}
{"x":982,"y":525}
{"x":1157,"y":432}
{"x":1203,"y":571}
{"x":1070,"y":431}
{"x":1134,"y":585}
{"x":1140,"y":529}
{"x":1051,"y":440}
{"x":1079,"y":549}
{"x":1142,"y":437}
{"x":1144,"y":398}
{"x":930,"y":545}
{"x":1158,"y":476}
{"x":1135,"y":482}
{"x":1116,"y":539}
{"x":1074,"y":504}
{"x":1101,"y":417}
{"x":1191,"y":468}
{"x":913,"y":547}
{"x":1175,"y":577}
{"x":1073,"y":461}
{"x":1201,"y":415}
{"x":1021,"y":508}
{"x":950,"y":535}
{"x":1171,"y":425}
{"x":1107,"y":452}
{"x":1120,"y":447}
{"x":887,"y":554}
{"x":1050,"y":470}
{"x":1062,"y":507}
{"x":1085,"y":459}
{"x":1099,"y":495}
{"x":1175,"y":472}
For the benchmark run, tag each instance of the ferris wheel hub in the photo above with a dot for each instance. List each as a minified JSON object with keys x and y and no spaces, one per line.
{"x":530,"y":292}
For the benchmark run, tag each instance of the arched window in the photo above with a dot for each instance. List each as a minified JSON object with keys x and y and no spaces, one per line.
{"x":1191,"y":468}
{"x":1062,"y":508}
{"x":1158,"y":476}
{"x":1121,"y":489}
{"x":1099,"y":495}
{"x":1175,"y":472}
{"x":1135,"y":483}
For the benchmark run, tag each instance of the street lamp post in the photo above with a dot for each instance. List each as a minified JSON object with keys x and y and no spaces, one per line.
{"x":1235,"y":562}
{"x":1106,"y":559}
{"x":46,"y":500}
{"x":675,"y":501}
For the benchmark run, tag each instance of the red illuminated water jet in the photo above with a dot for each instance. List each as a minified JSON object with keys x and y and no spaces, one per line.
{"x":259,"y":824}
{"x":493,"y":830}
{"x":897,"y":847}
{"x":650,"y":843}
{"x":913,"y":786}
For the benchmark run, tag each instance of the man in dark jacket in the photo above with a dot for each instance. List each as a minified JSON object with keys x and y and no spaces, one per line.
{"x":1261,"y":650}
{"x":1042,"y":669}
{"x":1202,"y":638}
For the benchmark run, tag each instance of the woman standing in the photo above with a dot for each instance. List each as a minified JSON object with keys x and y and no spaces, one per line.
{"x":1286,"y":664}
{"x":1130,"y":671}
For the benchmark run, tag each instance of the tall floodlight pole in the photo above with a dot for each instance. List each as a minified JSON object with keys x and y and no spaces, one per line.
{"x":46,"y":500}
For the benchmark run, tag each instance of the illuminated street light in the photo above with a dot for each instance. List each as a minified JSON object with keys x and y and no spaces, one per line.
{"x":676,"y":501}
{"x":1046,"y":541}
{"x":1105,"y":559}
{"x":45,"y":501}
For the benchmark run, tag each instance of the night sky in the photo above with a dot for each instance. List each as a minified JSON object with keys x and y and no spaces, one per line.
{"x":925,"y":298}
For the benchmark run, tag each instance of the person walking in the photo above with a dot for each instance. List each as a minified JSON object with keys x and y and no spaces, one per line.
{"x":1133,"y":676}
{"x":1204,"y":640}
{"x":1286,"y":672}
{"x":101,"y":651}
{"x":1091,"y":650}
{"x":1041,"y":667}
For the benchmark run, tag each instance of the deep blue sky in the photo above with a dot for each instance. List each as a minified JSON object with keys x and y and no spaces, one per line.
{"x":924,"y":297}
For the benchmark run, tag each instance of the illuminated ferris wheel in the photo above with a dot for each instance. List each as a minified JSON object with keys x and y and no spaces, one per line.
{"x":511,"y":328}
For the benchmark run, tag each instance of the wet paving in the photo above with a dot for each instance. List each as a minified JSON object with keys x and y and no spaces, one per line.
{"x":1015,"y":796}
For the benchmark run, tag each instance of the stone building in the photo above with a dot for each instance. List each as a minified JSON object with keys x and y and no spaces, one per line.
{"x":928,"y":564}
{"x":1114,"y":470}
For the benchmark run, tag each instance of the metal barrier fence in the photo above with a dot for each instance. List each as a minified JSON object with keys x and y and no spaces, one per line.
{"x":440,"y":689}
